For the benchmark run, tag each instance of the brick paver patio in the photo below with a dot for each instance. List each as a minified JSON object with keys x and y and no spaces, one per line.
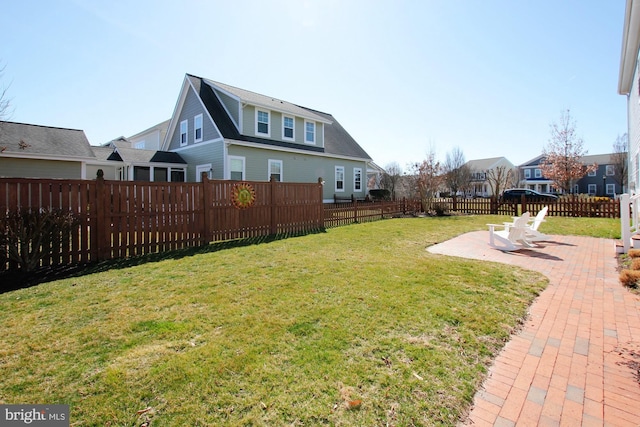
{"x":576,"y":360}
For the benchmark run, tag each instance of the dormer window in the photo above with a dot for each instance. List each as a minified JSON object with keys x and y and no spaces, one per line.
{"x":288,"y":128}
{"x":262,"y":122}
{"x":310,"y":132}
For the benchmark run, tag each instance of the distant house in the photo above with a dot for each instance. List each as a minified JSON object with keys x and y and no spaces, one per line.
{"x":605,"y":181}
{"x":629,"y":85}
{"x":236,"y":134}
{"x":34,"y":151}
{"x":481,"y":175}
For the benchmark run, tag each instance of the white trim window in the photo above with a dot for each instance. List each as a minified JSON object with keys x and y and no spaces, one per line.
{"x":236,"y":168}
{"x":592,"y":173}
{"x":527,"y":173}
{"x":576,"y":189}
{"x":610,"y":170}
{"x":339,"y":178}
{"x":611,"y":189}
{"x":591,"y":189}
{"x":288,"y":128}
{"x":197,"y":128}
{"x":262,"y":122}
{"x":309,"y":132}
{"x":538,"y":173}
{"x":184,"y":132}
{"x":275,"y":170}
{"x":357,"y":179}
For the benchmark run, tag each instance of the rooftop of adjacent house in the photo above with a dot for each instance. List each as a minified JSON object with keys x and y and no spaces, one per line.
{"x":35,"y":140}
{"x":485,"y":164}
{"x":160,"y":127}
{"x":599,"y":159}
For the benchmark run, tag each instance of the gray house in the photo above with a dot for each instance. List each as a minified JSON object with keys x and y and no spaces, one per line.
{"x":236,"y":134}
{"x":33,"y":151}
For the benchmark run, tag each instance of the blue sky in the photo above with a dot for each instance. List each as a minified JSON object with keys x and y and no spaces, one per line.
{"x":403,"y":77}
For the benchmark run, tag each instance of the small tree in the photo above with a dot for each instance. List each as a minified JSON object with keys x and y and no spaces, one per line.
{"x":619,"y":161}
{"x":428,"y":179}
{"x":499,"y":178}
{"x":563,"y":155}
{"x":391,"y":178}
{"x":457,"y":174}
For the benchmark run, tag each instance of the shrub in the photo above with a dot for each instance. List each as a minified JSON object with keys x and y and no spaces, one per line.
{"x":380,"y":194}
{"x":441,"y":208}
{"x":630,"y":278}
{"x":28,"y":235}
{"x":634,"y":253}
{"x":635,"y":263}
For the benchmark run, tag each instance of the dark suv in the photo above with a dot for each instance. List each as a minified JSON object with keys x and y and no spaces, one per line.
{"x":516,"y":194}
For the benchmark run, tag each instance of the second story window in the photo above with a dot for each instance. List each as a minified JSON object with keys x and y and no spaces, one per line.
{"x":538,"y":173}
{"x":262,"y":122}
{"x":591,"y":173}
{"x":197,"y":128}
{"x":287,"y":127}
{"x":184,"y":129}
{"x":527,"y":173}
{"x":610,"y":171}
{"x":309,"y":132}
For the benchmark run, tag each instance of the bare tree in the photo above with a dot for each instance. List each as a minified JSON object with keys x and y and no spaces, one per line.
{"x":390,"y":179}
{"x":619,"y":161}
{"x":428,"y":179}
{"x":5,"y":104}
{"x":563,"y":155}
{"x":457,"y":174}
{"x":499,"y":178}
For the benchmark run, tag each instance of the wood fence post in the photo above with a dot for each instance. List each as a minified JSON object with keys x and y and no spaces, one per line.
{"x":205,"y":237}
{"x":273,"y":223}
{"x":320,"y":209}
{"x":355,"y":208}
{"x":102,"y":203}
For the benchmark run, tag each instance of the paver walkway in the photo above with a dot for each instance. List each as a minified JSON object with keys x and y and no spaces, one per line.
{"x":576,"y":360}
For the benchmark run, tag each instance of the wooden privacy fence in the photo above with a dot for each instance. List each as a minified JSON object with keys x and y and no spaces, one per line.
{"x":116,"y":219}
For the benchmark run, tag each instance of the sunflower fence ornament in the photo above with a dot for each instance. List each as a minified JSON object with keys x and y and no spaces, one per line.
{"x":243,"y":195}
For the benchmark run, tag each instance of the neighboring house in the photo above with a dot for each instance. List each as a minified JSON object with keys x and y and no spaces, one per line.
{"x":235,"y":134}
{"x":604,"y":181}
{"x":481,"y":175}
{"x":629,"y":85}
{"x":134,"y":164}
{"x":34,"y":151}
{"x":150,"y":139}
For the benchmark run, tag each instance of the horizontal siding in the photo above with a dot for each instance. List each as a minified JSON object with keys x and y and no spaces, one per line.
{"x":200,"y":154}
{"x":300,"y":168}
{"x":230,"y":104}
{"x":28,"y":168}
{"x":191,"y":108}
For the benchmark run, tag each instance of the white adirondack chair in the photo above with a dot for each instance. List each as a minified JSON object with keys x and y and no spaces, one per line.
{"x":513,"y":236}
{"x":533,"y":235}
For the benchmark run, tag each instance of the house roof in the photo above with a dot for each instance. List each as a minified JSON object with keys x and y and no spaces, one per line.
{"x":161,"y":127}
{"x":337,"y":140}
{"x":135,"y":155}
{"x":37,"y":141}
{"x":486,"y":164}
{"x":600,"y":159}
{"x":267,"y":102}
{"x":630,"y":46}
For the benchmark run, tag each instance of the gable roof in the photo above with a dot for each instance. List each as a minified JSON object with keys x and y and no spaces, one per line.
{"x":486,"y":164}
{"x":600,"y":159}
{"x":337,"y":140}
{"x":28,"y":140}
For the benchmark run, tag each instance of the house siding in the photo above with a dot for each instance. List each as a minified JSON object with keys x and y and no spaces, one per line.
{"x":231,"y":105}
{"x":193,"y":107}
{"x":34,"y":168}
{"x":633,"y":111}
{"x":200,"y":154}
{"x":297,"y":168}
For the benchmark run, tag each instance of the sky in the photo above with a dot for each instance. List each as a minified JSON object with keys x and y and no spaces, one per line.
{"x":403,"y":77}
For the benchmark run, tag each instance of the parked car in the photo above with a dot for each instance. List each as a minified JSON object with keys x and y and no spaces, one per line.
{"x":517,"y":193}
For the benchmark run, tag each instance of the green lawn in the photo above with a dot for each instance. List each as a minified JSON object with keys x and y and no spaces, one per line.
{"x":356,"y":326}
